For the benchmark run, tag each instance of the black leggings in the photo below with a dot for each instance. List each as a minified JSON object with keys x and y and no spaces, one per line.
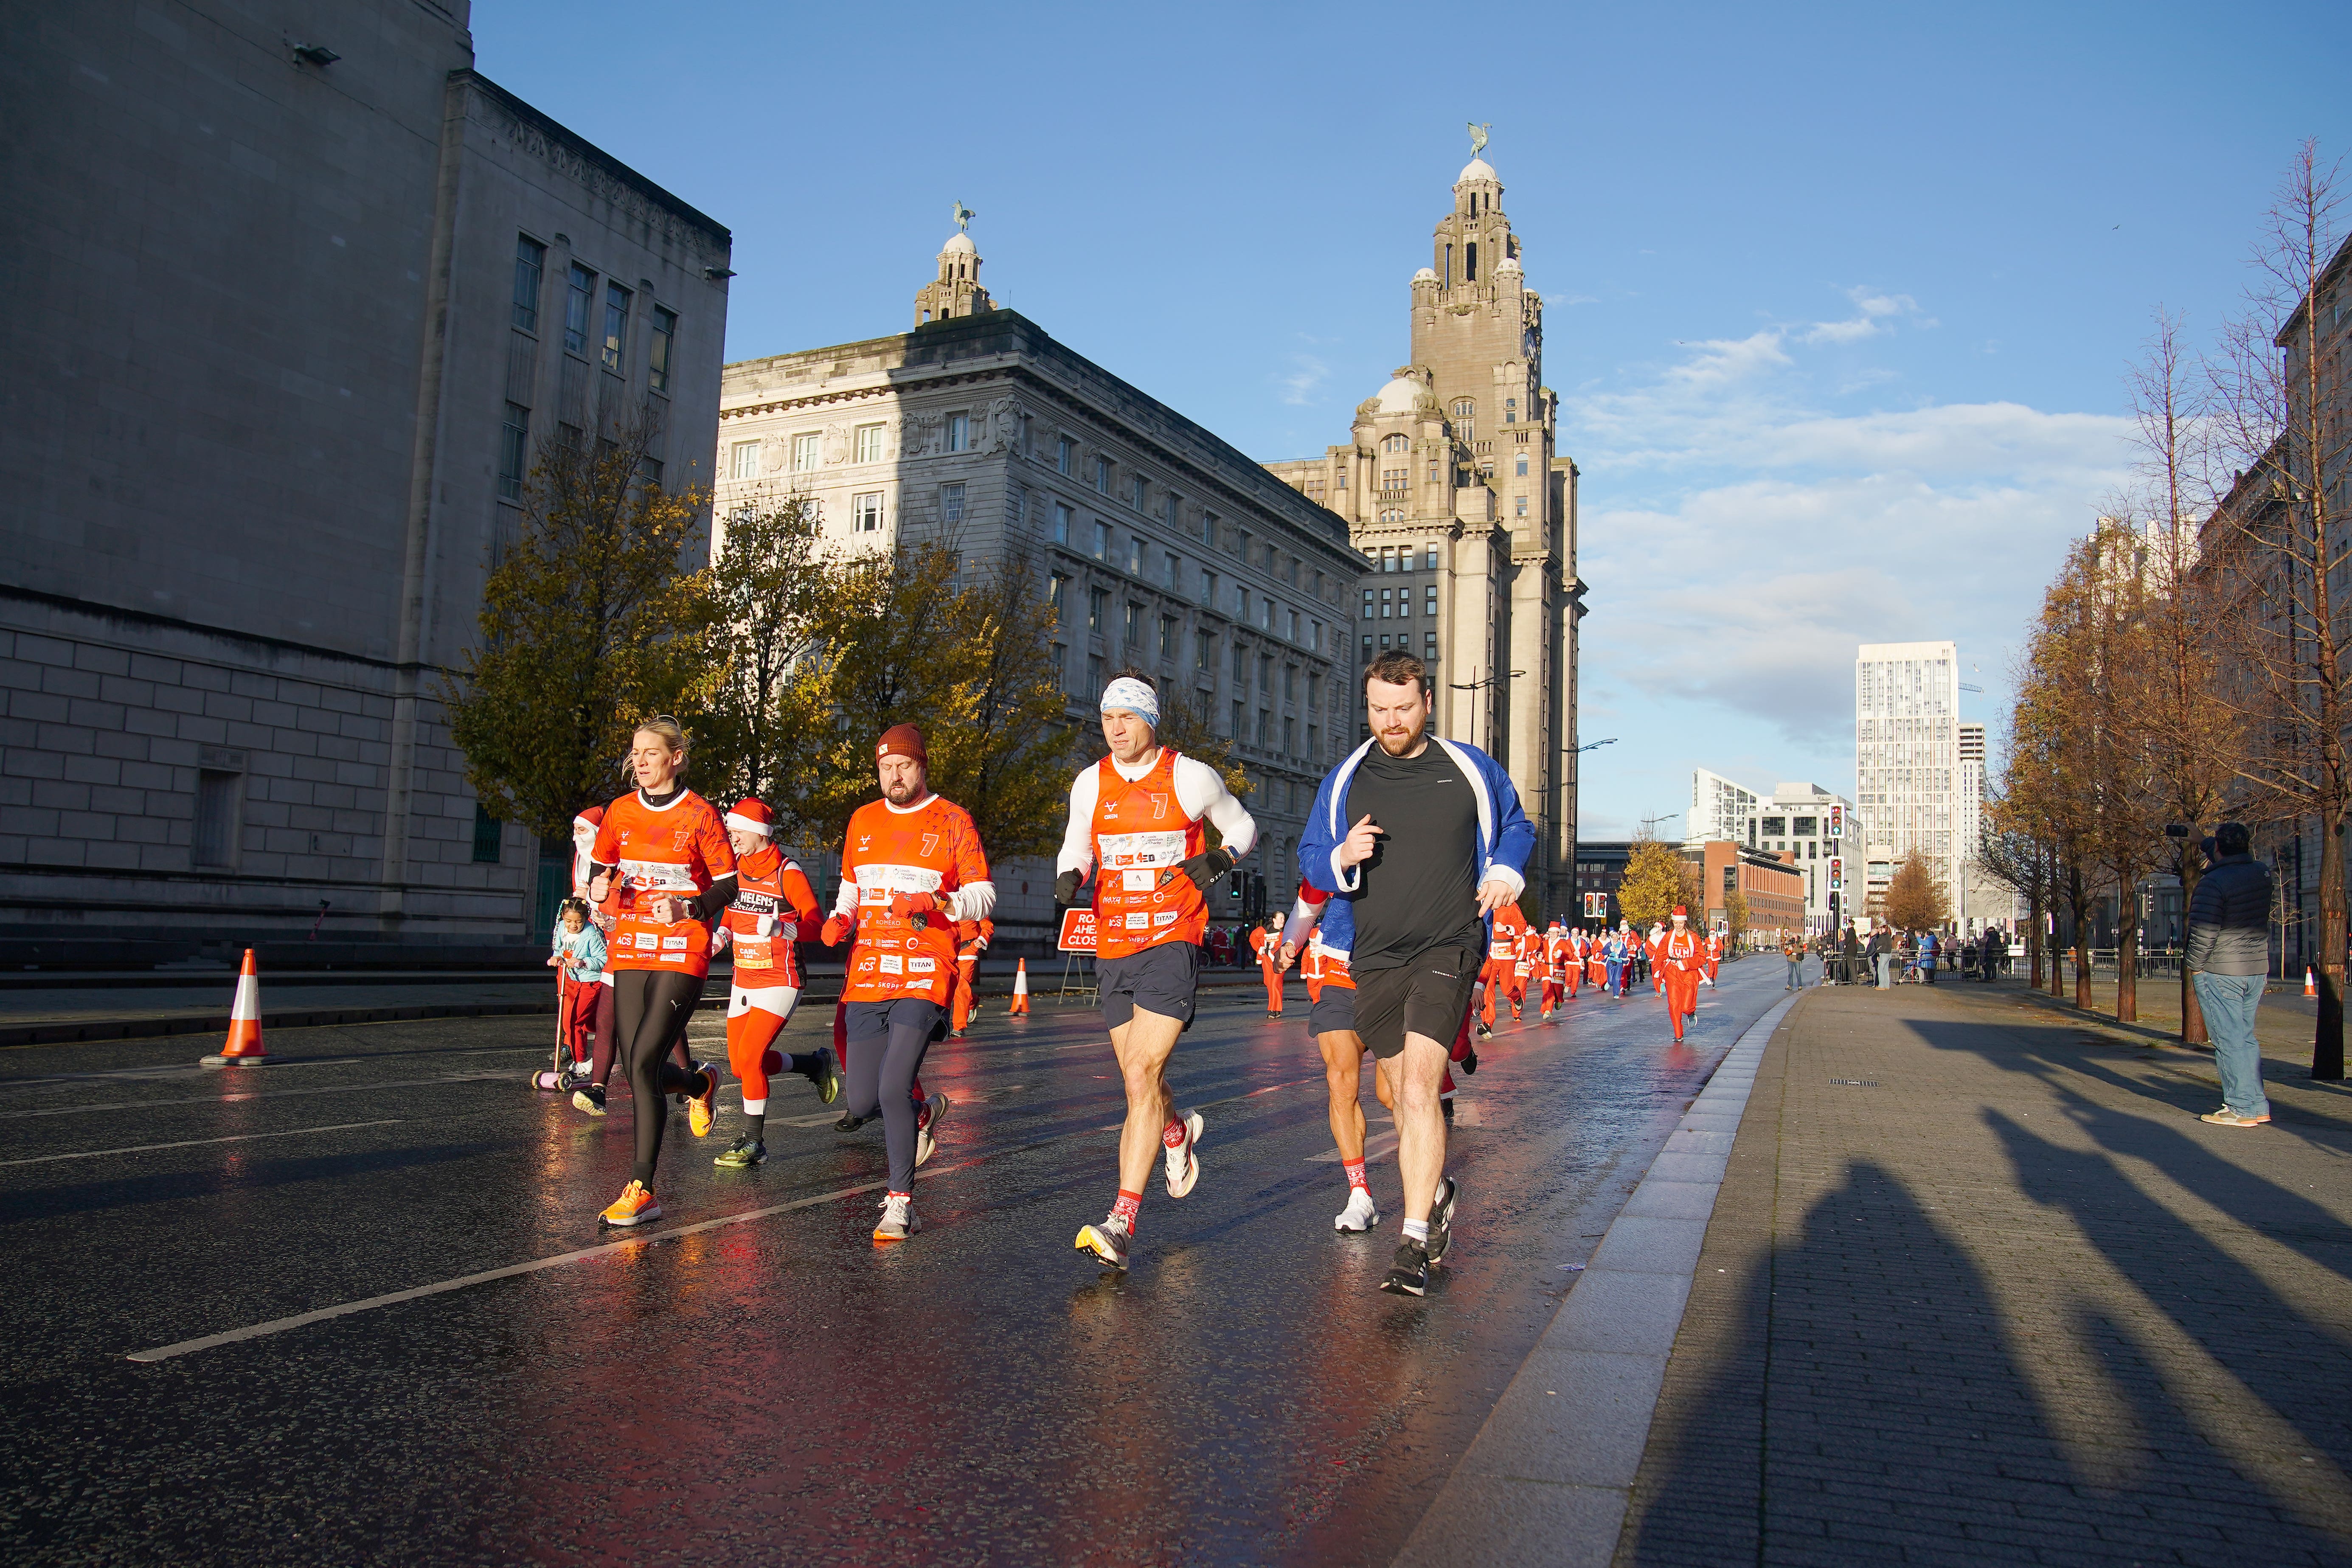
{"x":880,"y":1074}
{"x":653,"y":1009}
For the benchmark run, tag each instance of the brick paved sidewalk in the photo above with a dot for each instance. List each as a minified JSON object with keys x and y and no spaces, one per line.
{"x":1979,"y":1287}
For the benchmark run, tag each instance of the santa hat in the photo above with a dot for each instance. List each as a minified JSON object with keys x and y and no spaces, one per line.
{"x":1681,"y":913}
{"x":752,"y":817}
{"x":590,"y":816}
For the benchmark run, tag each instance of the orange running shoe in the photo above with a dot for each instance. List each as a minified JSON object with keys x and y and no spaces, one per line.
{"x":699,"y":1109}
{"x":636,"y":1205}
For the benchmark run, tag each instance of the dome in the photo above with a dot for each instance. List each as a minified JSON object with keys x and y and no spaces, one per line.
{"x":958,"y":244}
{"x":1478,"y":169}
{"x":1509,"y":263}
{"x":1402,"y":396}
{"x":1426,"y":275}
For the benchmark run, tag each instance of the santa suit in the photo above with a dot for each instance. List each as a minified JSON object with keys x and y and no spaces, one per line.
{"x":1558,"y":950}
{"x":1596,"y":968}
{"x":973,"y":938}
{"x":1528,"y":968}
{"x":1679,"y":955}
{"x":772,"y":907}
{"x":1501,"y":968}
{"x":1714,"y":964}
{"x":1267,"y":945}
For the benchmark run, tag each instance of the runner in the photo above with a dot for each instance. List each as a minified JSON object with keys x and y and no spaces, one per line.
{"x":1679,"y":955}
{"x":675,"y":872}
{"x":579,"y":958}
{"x":773,"y":904}
{"x":1555,"y":965}
{"x":1596,"y":965}
{"x":1139,"y":821}
{"x":973,"y":938}
{"x":1501,"y":966}
{"x":1426,"y":837}
{"x":1266,"y":943}
{"x":1527,"y":974}
{"x":911,"y":868}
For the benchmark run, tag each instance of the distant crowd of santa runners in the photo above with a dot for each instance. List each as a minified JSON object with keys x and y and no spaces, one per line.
{"x":1409,"y":876}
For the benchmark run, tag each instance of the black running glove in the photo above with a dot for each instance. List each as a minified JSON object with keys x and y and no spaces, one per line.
{"x":1206,"y":867}
{"x":1066,"y":890}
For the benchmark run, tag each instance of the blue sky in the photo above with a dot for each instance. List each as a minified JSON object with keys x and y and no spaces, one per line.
{"x":1838,"y":300}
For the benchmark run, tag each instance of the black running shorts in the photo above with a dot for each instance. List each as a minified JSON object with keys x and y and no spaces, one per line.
{"x":871,"y":1020}
{"x":1334,"y":1012}
{"x":1426,"y":995}
{"x":1159,"y":980}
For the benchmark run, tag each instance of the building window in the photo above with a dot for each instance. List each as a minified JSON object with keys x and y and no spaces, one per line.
{"x":1294,"y":624}
{"x":1367,"y":648}
{"x":746,"y":462}
{"x":1315,"y":635}
{"x":1168,"y":570}
{"x":865,"y":512}
{"x":804,"y":450}
{"x":487,"y":832}
{"x":616,"y":324}
{"x":1061,"y":523}
{"x":1209,"y":529}
{"x":1239,"y":708}
{"x":1134,"y":624}
{"x":959,"y":433}
{"x":1093,"y":673}
{"x":1511,"y":410}
{"x":1097,"y":600}
{"x":1241,"y":668}
{"x":1167,"y":639}
{"x":1429,"y":648}
{"x":531,"y":265}
{"x":1290,"y":736}
{"x":1264,"y":725}
{"x":1135,"y":493}
{"x":1102,"y":541}
{"x":1429,"y":600}
{"x":1289,"y":683}
{"x":1168,"y":508}
{"x":950,"y":505}
{"x":1394,"y":478}
{"x":1061,"y":667}
{"x":1523,"y":465}
{"x":1429,"y":562}
{"x":1016,"y":504}
{"x":514,"y":451}
{"x":1522,"y":503}
{"x":1065,"y":456}
{"x":664,"y":336}
{"x":650,"y":472}
{"x":1204,"y":650}
{"x":1055,"y":587}
{"x":1368,"y":604}
{"x":1102,"y":476}
{"x":1394,"y":444}
{"x":1208,"y":588}
{"x":1465,"y":419}
{"x":577,"y":306}
{"x":869,"y":443}
{"x":1315,"y":743}
{"x":1134,"y":556}
{"x":1265,"y":673}
{"x":220,"y":801}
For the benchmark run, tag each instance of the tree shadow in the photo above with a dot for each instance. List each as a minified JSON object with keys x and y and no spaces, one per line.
{"x":1861,"y":1399}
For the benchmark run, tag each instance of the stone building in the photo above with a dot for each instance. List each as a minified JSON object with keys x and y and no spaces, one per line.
{"x":1455,"y":491}
{"x":1158,"y":544}
{"x":1821,"y":834}
{"x":291,"y":314}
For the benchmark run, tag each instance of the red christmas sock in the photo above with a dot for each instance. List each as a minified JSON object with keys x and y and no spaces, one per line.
{"x":1355,"y":1169}
{"x":1129,"y":1208}
{"x":1172,"y":1136}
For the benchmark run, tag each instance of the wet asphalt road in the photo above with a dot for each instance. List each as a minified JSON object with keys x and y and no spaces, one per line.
{"x":777,"y":1387}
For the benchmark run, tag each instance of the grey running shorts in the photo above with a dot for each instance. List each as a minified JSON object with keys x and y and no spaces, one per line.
{"x":1334,"y":1012}
{"x":1426,"y":995}
{"x":1159,"y":980}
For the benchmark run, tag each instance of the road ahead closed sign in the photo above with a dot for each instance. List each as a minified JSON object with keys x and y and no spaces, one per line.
{"x":1078,"y":931}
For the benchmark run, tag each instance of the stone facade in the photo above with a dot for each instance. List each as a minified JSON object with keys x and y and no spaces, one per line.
{"x":1163,"y":546}
{"x":1453,"y":488}
{"x":292,"y":314}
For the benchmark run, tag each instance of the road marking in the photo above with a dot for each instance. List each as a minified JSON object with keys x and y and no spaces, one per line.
{"x":515,"y":1270}
{"x":197,"y":1142}
{"x":1378,"y":1144}
{"x":265,"y":1094}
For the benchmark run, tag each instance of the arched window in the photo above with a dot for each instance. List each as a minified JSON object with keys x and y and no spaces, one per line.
{"x":1395,"y":443}
{"x":1394,"y":514}
{"x":1465,"y":419}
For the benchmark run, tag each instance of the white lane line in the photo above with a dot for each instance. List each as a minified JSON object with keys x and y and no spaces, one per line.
{"x":279,"y":1325}
{"x":198,"y":1143}
{"x":1378,"y":1144}
{"x":265,"y":1094}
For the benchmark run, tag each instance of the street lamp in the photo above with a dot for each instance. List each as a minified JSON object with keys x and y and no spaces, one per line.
{"x":1598,"y":744}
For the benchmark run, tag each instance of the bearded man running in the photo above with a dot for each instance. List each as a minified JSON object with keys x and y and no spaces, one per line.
{"x":1138,"y":823}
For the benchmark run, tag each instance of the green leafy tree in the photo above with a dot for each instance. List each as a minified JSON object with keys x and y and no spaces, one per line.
{"x":590,"y":620}
{"x":768,"y":579}
{"x":1654,"y":884}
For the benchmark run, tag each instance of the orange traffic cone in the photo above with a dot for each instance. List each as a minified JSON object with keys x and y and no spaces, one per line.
{"x":244,"y":1048}
{"x":1021,"y":991}
{"x":2310,"y":982}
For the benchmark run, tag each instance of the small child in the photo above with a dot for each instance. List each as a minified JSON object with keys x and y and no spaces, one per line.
{"x":580,"y":953}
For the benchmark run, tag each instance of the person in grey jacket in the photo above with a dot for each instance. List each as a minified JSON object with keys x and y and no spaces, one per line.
{"x":2229,"y":958}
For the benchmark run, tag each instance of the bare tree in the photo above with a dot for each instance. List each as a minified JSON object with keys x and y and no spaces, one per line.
{"x":2272,"y":389}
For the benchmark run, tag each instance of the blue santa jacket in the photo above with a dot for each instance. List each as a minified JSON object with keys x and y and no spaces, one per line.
{"x":1505,"y":836}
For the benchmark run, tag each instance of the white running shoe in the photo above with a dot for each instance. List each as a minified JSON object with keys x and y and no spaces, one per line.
{"x":1183,"y":1170}
{"x":899,"y":1221}
{"x":927,"y":1136}
{"x":1360,"y":1215}
{"x":1107,"y":1241}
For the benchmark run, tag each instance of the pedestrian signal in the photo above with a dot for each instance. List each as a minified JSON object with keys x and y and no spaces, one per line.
{"x":1837,"y":822}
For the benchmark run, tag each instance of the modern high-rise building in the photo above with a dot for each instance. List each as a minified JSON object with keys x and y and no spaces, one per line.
{"x":1821,"y":834}
{"x":1453,"y":488}
{"x":295,"y":295}
{"x":1718,"y":809}
{"x":1906,"y":761}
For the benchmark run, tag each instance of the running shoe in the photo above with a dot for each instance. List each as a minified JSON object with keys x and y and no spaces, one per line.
{"x":1441,"y":1219}
{"x":927,"y":1136}
{"x":848,"y":1123}
{"x":827,"y":1076}
{"x":698,"y":1113}
{"x":1183,"y":1170}
{"x":1446,"y":1105}
{"x":1409,"y":1275}
{"x":590,"y":1098}
{"x":898,"y":1222}
{"x":746,"y":1153}
{"x":633,"y":1206}
{"x":1107,"y":1241}
{"x":2225,"y":1117}
{"x":1360,"y":1215}
{"x":1483,"y":1033}
{"x":1469,"y":1063}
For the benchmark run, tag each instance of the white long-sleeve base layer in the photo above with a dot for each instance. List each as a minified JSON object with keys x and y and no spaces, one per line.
{"x":1199,"y":792}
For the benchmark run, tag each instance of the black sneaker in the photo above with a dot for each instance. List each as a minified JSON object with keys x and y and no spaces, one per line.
{"x":1441,"y":1219}
{"x":848,"y":1123}
{"x":590,"y":1098}
{"x":1447,"y":1107}
{"x":1469,"y":1063}
{"x":826,"y":1075}
{"x":1409,"y":1275}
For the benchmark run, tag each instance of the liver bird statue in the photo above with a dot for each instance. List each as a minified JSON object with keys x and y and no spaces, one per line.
{"x":1478,"y":137}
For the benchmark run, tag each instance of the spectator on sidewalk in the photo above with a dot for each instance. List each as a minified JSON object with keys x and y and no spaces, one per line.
{"x":1792,"y":948}
{"x":1928,"y":954}
{"x":2229,"y":958}
{"x":1880,"y":951}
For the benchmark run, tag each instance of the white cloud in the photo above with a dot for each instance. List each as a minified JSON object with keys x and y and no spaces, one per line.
{"x":1307,"y":374}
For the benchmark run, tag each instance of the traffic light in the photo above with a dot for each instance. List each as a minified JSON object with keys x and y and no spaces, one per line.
{"x":1837,"y":822}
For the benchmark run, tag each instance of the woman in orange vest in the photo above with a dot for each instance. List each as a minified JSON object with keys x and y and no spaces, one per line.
{"x":1679,"y":955}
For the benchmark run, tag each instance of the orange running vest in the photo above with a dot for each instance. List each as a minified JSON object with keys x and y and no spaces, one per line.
{"x":677,"y":849}
{"x":774,"y":906}
{"x":1140,"y":836}
{"x":933,"y":849}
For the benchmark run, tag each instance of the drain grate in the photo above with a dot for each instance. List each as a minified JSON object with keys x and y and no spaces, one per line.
{"x":1855,"y":1082}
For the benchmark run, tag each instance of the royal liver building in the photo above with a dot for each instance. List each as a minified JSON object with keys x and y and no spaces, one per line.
{"x":1465,"y":513}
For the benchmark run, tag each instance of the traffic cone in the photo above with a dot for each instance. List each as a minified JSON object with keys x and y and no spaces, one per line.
{"x":1020,"y":990}
{"x":2310,"y":982}
{"x":244,"y":1048}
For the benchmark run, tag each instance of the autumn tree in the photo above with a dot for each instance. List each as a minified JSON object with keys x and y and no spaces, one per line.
{"x":768,"y":577}
{"x":1652,"y":885}
{"x":2281,"y":549}
{"x":594,"y":618}
{"x":1916,"y":899}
